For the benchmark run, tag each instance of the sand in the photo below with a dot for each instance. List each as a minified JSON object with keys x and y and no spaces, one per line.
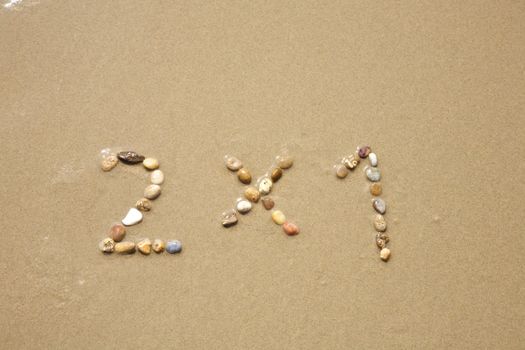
{"x":436,"y":88}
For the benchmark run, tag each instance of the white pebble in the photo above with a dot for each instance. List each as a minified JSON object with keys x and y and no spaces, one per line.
{"x":372,"y":157}
{"x":133,"y":217}
{"x":243,"y":206}
{"x":157,"y":177}
{"x":265,"y":185}
{"x":152,"y":191}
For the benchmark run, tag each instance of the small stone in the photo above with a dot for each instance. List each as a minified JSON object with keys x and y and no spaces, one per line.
{"x":174,"y":247}
{"x":284,"y":161}
{"x":379,"y":205}
{"x":252,"y":194}
{"x":290,"y":229}
{"x":157,"y":177}
{"x":232,"y":163}
{"x":265,"y":185}
{"x":278,"y":217}
{"x":229,"y":218}
{"x":381,"y":240}
{"x":133,"y":217}
{"x":130,"y":157}
{"x":341,"y":171}
{"x":244,"y":176}
{"x":107,"y":245}
{"x":125,"y":247}
{"x":150,"y":163}
{"x":385,"y":254}
{"x":109,"y":162}
{"x":143,"y":204}
{"x":376,"y":189}
{"x":351,"y":161}
{"x":373,"y":174}
{"x":117,"y":232}
{"x":380,"y":223}
{"x":268,"y":203}
{"x":243,"y":206}
{"x":372,"y":157}
{"x":144,"y":246}
{"x":363,"y":151}
{"x":152,"y":191}
{"x":276,"y":174}
{"x":158,"y":246}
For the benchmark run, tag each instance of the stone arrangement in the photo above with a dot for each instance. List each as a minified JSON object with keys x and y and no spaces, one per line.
{"x":373,"y":174}
{"x":114,"y":242}
{"x":261,"y":191}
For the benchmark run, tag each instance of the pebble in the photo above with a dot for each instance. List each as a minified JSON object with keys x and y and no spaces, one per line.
{"x":372,"y":157}
{"x":157,"y":177}
{"x":244,"y":176}
{"x":284,"y":161}
{"x":107,"y":245}
{"x":229,"y":218}
{"x":125,"y":247}
{"x":152,"y":191}
{"x":278,"y":217}
{"x":380,"y":223}
{"x":109,"y":162}
{"x":232,"y":163}
{"x":373,"y":174}
{"x":174,"y":247}
{"x":276,"y":174}
{"x":265,"y":185}
{"x":363,"y":151}
{"x":151,"y":163}
{"x":133,"y":217}
{"x":290,"y":229}
{"x":376,"y":188}
{"x":381,"y":240}
{"x":117,"y":232}
{"x":243,"y":206}
{"x":268,"y":203}
{"x":158,"y":246}
{"x":144,"y":246}
{"x":351,"y":161}
{"x":252,"y":194}
{"x":379,"y":205}
{"x":130,"y":157}
{"x":385,"y":254}
{"x":143,"y":204}
{"x":341,"y":171}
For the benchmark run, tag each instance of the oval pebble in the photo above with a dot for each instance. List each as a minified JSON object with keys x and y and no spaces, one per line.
{"x":381,"y":240}
{"x":290,"y":229}
{"x":252,"y":194}
{"x":363,"y":151}
{"x":130,"y":157}
{"x":144,"y":246}
{"x":276,"y":174}
{"x":150,"y":163}
{"x":376,"y":189}
{"x":107,"y":245}
{"x":341,"y":171}
{"x":268,"y":203}
{"x":117,"y":232}
{"x":379,"y":205}
{"x":158,"y":246}
{"x":109,"y":162}
{"x":143,"y":204}
{"x":152,"y":191}
{"x":173,"y":246}
{"x":229,"y":218}
{"x":265,"y":185}
{"x":278,"y":217}
{"x":134,"y":216}
{"x":380,"y":223}
{"x":243,"y":206}
{"x":284,"y":161}
{"x":232,"y":163}
{"x":351,"y":161}
{"x":385,"y":254}
{"x":244,"y":176}
{"x":373,"y":174}
{"x":372,"y":157}
{"x":157,"y":177}
{"x":125,"y":247}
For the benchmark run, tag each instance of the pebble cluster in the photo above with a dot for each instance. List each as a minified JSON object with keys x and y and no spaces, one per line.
{"x":373,"y":174}
{"x":260,"y":191}
{"x":114,"y":242}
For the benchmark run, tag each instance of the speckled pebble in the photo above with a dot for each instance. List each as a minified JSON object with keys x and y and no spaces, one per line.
{"x":151,"y":163}
{"x":265,"y":185}
{"x":363,"y":151}
{"x":341,"y":171}
{"x":130,"y":157}
{"x":268,"y":203}
{"x":351,"y":161}
{"x":276,"y":174}
{"x":157,"y":177}
{"x":117,"y":232}
{"x":109,"y":162}
{"x":290,"y":229}
{"x":232,"y":163}
{"x":380,"y":223}
{"x":278,"y":217}
{"x":143,"y":204}
{"x":373,"y":174}
{"x":381,"y":240}
{"x":243,"y":206}
{"x":379,"y":205}
{"x":107,"y":245}
{"x":152,"y":191}
{"x":372,"y":158}
{"x":134,"y":216}
{"x":229,"y":218}
{"x":284,"y":161}
{"x":385,"y":254}
{"x":244,"y":176}
{"x":252,"y":194}
{"x":125,"y":247}
{"x":376,"y":189}
{"x":174,"y":247}
{"x":144,"y":246}
{"x":158,"y":246}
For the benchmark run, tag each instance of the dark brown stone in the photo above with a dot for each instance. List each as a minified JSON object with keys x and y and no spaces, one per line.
{"x":130,"y":157}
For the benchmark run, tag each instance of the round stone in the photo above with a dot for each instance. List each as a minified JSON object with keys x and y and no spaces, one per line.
{"x":232,"y":163}
{"x":290,"y":229}
{"x":144,"y":246}
{"x":109,"y":162}
{"x":157,"y":177}
{"x":158,"y":246}
{"x":376,"y":189}
{"x":150,"y":163}
{"x":244,"y":176}
{"x":125,"y":247}
{"x":265,"y":185}
{"x":284,"y":161}
{"x":373,"y":174}
{"x":268,"y":203}
{"x":341,"y":171}
{"x":130,"y":157}
{"x":381,"y":240}
{"x":133,"y":217}
{"x":276,"y":174}
{"x":229,"y":218}
{"x":252,"y":194}
{"x":385,"y":254}
{"x":117,"y":232}
{"x":372,"y":158}
{"x":379,"y":205}
{"x":351,"y":161}
{"x":243,"y":206}
{"x":107,"y":245}
{"x":152,"y":191}
{"x":380,"y":223}
{"x":174,"y":247}
{"x":363,"y":151}
{"x":278,"y":217}
{"x":143,"y":204}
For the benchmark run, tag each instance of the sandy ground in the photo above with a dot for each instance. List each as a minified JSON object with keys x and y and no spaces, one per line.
{"x":436,"y":88}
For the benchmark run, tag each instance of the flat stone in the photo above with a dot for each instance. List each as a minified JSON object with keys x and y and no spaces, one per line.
{"x":381,"y":240}
{"x":117,"y":232}
{"x":376,"y":189}
{"x":363,"y":151}
{"x":284,"y":161}
{"x":252,"y":194}
{"x":268,"y":203}
{"x":276,"y":174}
{"x":373,"y":174}
{"x":243,"y":206}
{"x":372,"y":158}
{"x":174,"y":247}
{"x":278,"y":217}
{"x":341,"y":171}
{"x":385,"y":254}
{"x":143,"y":204}
{"x":265,"y":185}
{"x":125,"y":247}
{"x":380,"y":223}
{"x":290,"y":229}
{"x":130,"y":157}
{"x":157,"y":177}
{"x":158,"y":246}
{"x":351,"y":161}
{"x":109,"y":162}
{"x":232,"y":163}
{"x":229,"y":218}
{"x":379,"y":205}
{"x":152,"y":191}
{"x":144,"y":246}
{"x":107,"y":245}
{"x":151,"y":163}
{"x":244,"y":176}
{"x":133,"y":217}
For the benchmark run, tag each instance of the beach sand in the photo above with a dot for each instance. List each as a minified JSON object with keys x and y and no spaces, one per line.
{"x":437,"y":90}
